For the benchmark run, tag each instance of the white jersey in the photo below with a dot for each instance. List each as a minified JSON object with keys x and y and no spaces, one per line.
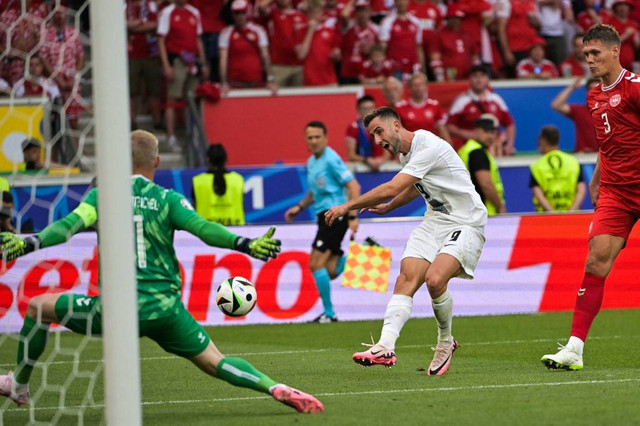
{"x":444,"y":182}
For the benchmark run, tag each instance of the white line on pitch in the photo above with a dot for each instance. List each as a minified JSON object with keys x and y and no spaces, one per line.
{"x":359,"y":393}
{"x":305,"y":351}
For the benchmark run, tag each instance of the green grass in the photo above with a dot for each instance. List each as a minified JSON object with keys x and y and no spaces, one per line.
{"x":496,"y":376}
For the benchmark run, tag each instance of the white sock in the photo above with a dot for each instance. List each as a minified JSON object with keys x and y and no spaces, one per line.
{"x":397,"y":314}
{"x":576,"y":344}
{"x":443,"y":310}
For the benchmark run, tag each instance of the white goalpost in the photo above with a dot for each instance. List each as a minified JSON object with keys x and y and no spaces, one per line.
{"x":118,"y":293}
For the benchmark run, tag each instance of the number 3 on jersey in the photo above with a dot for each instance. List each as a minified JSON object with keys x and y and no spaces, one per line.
{"x":141,"y":250}
{"x":605,"y":119}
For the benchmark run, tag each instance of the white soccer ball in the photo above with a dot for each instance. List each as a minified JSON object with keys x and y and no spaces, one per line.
{"x":236,"y":296}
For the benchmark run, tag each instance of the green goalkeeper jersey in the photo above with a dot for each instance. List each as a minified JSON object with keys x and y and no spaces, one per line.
{"x":157,"y":213}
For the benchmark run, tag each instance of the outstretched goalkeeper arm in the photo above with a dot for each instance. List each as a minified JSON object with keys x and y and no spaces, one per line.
{"x":182,"y":217}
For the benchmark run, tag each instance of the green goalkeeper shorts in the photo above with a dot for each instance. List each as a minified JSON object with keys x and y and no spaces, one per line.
{"x":178,"y":333}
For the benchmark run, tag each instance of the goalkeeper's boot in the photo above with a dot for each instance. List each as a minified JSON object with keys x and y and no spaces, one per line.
{"x":566,"y":359}
{"x":302,"y":402}
{"x":8,"y":389}
{"x":442,"y":358}
{"x":375,"y":355}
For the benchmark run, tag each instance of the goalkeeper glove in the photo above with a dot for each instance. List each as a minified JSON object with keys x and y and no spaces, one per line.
{"x":13,"y":246}
{"x":261,"y":248}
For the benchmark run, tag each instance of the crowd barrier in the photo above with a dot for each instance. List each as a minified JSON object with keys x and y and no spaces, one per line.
{"x":529,"y":264}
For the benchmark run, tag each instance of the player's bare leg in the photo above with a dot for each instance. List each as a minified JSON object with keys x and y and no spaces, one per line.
{"x":33,"y":341}
{"x":319,"y":262}
{"x":443,"y":268}
{"x":239,"y":372}
{"x":412,"y":273}
{"x":603,"y":250}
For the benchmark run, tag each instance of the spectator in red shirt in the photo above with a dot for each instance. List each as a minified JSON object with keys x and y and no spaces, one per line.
{"x":377,"y":68}
{"x":361,"y":35}
{"x":452,"y":51}
{"x":23,"y":32}
{"x":244,"y":52}
{"x":393,"y":91}
{"x":588,"y":17}
{"x":517,"y":32}
{"x":575,"y":65}
{"x":536,"y":66}
{"x":628,"y":30}
{"x":430,"y":17}
{"x":470,"y":105}
{"x":319,"y":48}
{"x":212,"y":25}
{"x":284,"y":24}
{"x":401,"y":36}
{"x":63,"y":58}
{"x":580,"y":115}
{"x":144,"y":63}
{"x":179,"y":31}
{"x":360,"y":147}
{"x":420,"y":112}
{"x":35,"y":83}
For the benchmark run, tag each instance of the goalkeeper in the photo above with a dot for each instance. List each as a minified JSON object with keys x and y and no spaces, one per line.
{"x":158,"y":212}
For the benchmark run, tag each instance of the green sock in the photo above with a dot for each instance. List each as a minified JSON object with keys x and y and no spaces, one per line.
{"x":33,"y":341}
{"x":239,"y":372}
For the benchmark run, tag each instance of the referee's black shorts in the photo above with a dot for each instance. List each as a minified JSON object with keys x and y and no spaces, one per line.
{"x":330,"y":237}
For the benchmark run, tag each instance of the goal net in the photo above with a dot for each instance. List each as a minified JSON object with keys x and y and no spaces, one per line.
{"x":63,"y":77}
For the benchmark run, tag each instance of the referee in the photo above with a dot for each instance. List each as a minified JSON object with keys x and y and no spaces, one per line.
{"x":328,"y":179}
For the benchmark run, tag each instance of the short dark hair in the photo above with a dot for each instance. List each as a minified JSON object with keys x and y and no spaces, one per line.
{"x":550,"y":134}
{"x":382,"y":112}
{"x":365,"y":98}
{"x":318,"y":125}
{"x":604,"y":33}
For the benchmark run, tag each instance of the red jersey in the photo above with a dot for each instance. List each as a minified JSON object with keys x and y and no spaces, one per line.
{"x":527,"y":68}
{"x":142,"y":45}
{"x":355,"y":40}
{"x":361,"y":137}
{"x":210,"y":14}
{"x":584,"y":21}
{"x":319,"y":68}
{"x":426,"y":115}
{"x":627,"y":49}
{"x":615,"y":111}
{"x":468,"y":107}
{"x":520,"y":33}
{"x":456,"y":49}
{"x":472,"y":22}
{"x":585,"y":132}
{"x":243,"y":46}
{"x":371,"y":70}
{"x":284,"y":28}
{"x":181,"y":27}
{"x":403,"y":36}
{"x":429,"y":16}
{"x":571,"y":67}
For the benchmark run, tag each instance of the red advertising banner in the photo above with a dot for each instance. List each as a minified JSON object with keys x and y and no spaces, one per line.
{"x":529,"y":264}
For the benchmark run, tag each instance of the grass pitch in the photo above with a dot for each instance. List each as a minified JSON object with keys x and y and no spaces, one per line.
{"x":496,"y":377}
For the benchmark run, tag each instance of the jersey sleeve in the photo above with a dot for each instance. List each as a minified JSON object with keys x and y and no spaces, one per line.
{"x":183,"y":217}
{"x":421,"y":162}
{"x":340,"y":170}
{"x":533,"y":181}
{"x":60,"y":231}
{"x":385,"y":29}
{"x":164,"y":22}
{"x":478,"y":160}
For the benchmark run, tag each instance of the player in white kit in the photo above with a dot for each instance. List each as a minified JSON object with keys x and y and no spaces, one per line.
{"x":447,"y":243}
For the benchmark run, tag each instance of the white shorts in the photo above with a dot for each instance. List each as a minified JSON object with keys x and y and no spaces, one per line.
{"x":435,"y":236}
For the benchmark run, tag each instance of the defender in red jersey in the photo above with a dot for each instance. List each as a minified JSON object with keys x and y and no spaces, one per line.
{"x":615,"y":189}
